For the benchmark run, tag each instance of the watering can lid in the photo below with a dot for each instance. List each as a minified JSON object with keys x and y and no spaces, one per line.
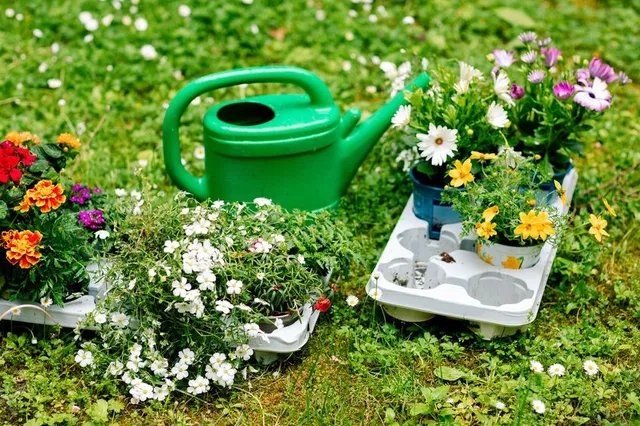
{"x":271,"y":125}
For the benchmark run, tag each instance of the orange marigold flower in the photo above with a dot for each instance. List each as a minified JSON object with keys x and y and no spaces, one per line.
{"x":18,"y":138}
{"x":21,"y":247}
{"x":44,"y":195}
{"x":68,"y":139}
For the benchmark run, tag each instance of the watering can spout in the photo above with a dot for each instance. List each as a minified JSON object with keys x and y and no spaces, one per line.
{"x":360,"y":138}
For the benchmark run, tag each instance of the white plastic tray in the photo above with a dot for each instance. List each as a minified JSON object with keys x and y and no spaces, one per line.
{"x":417,"y":284}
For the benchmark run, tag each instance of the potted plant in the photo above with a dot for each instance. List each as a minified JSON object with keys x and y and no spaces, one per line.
{"x":555,"y":100}
{"x":192,"y":283}
{"x":49,"y":226}
{"x":502,"y":209}
{"x":462,"y":113}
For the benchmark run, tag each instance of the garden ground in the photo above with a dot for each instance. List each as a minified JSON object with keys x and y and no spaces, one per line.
{"x":357,"y":368}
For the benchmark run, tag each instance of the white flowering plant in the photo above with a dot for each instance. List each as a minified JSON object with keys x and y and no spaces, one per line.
{"x":192,"y":283}
{"x":462,"y":112}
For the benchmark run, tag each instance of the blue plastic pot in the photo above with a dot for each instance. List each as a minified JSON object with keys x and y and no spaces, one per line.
{"x":427,"y":206}
{"x":548,"y":189}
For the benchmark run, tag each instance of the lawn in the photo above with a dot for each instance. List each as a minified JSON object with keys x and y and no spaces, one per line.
{"x":359,"y":367}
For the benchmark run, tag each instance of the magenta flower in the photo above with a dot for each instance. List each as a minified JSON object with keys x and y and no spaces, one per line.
{"x":527,"y":37}
{"x":595,"y":98}
{"x":550,"y":55}
{"x":583,"y":77}
{"x":623,"y":78}
{"x":604,"y":72}
{"x":503,"y":58}
{"x":563,"y":90}
{"x":516,"y":92}
{"x":536,"y":76}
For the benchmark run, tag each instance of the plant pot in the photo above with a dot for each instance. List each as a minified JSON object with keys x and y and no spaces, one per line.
{"x":268,"y":325}
{"x":427,"y":206}
{"x":548,"y":189}
{"x":509,"y":257}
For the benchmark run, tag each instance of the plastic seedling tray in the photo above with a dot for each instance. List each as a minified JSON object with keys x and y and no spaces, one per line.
{"x":67,"y":315}
{"x":418,"y":283}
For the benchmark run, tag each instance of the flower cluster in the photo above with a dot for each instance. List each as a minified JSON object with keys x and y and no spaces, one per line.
{"x":44,"y":239}
{"x":81,"y":194}
{"x":13,"y":160}
{"x":553,"y":100}
{"x":196,"y":285}
{"x":93,"y":219}
{"x":462,"y":112}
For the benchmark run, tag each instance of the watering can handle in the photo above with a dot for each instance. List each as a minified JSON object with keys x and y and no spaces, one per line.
{"x":312,"y":85}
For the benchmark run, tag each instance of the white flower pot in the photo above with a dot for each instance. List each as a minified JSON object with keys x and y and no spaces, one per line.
{"x":509,"y":257}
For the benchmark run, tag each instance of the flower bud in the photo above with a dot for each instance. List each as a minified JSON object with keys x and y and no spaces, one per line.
{"x":491,"y":57}
{"x":470,"y":132}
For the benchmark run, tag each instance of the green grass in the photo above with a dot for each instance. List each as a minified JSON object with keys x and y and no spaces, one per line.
{"x":384,"y":371}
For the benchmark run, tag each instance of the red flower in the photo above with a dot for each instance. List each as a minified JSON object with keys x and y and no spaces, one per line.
{"x":11,"y":157}
{"x":323,"y":304}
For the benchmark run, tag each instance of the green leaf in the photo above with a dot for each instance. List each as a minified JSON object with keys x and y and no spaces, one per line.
{"x":4,"y":210}
{"x":39,"y":166}
{"x":515,"y":17}
{"x":99,"y":411}
{"x":420,"y":409}
{"x":51,"y":150}
{"x":449,"y":374}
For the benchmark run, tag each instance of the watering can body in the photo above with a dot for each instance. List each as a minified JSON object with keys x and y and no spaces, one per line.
{"x":292,"y":148}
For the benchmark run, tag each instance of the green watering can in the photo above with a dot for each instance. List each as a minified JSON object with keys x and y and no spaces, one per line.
{"x":292,"y":148}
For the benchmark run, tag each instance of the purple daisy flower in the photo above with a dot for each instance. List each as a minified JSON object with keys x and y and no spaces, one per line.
{"x":527,"y":37}
{"x":550,"y":55}
{"x":624,"y":78}
{"x":516,"y":92}
{"x":536,"y":76}
{"x":544,"y":42}
{"x":583,"y":76}
{"x":595,"y":98}
{"x":529,"y":57}
{"x":503,"y":58}
{"x":603,"y":71}
{"x":77,"y":187}
{"x":563,"y":90}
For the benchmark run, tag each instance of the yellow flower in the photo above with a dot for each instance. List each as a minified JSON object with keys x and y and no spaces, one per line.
{"x":545,"y":226}
{"x":475,"y":155}
{"x":490,"y":213}
{"x":68,"y":139}
{"x":535,"y":226}
{"x":597,"y":227}
{"x":562,"y":193}
{"x":512,"y":262}
{"x":537,"y":156}
{"x":461,"y":175}
{"x":609,"y":208}
{"x":486,"y":229}
{"x":531,"y":202}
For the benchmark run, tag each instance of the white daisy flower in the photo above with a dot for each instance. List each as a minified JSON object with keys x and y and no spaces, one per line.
{"x":100,"y":318}
{"x":497,"y":116}
{"x":102,"y":234}
{"x":244,"y":352}
{"x":54,"y":83}
{"x":121,"y":192}
{"x":402,"y":117}
{"x":141,"y":24}
{"x":556,"y":370}
{"x":252,"y":329}
{"x":462,"y":87}
{"x":184,"y":11}
{"x":468,"y":73}
{"x":120,"y":320}
{"x":538,"y":406}
{"x":148,"y":52}
{"x":261,"y":202}
{"x":408,"y":20}
{"x":375,"y":293}
{"x":352,"y":300}
{"x":16,"y":311}
{"x":438,"y":144}
{"x":46,"y":302}
{"x":171,"y":246}
{"x":536,"y":366}
{"x":590,"y":367}
{"x":198,"y":153}
{"x":502,"y":88}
